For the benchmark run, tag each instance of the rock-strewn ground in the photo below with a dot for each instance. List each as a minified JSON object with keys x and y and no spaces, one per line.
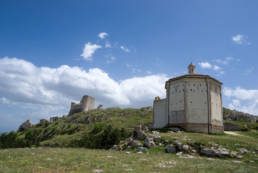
{"x":56,"y":160}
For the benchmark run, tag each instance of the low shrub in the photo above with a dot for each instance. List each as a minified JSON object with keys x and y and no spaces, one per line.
{"x":104,"y":136}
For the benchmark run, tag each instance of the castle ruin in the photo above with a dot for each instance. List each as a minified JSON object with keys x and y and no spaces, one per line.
{"x":87,"y":103}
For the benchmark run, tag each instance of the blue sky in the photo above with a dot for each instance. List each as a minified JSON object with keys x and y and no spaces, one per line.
{"x":121,"y":52}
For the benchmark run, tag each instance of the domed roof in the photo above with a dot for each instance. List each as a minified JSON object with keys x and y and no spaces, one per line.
{"x":192,"y":74}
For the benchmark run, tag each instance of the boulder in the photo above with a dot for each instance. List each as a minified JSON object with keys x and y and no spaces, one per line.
{"x":148,"y":142}
{"x":139,"y":133}
{"x":155,"y":132}
{"x":212,"y":152}
{"x":142,"y":149}
{"x":243,"y":151}
{"x":134,"y":143}
{"x":223,"y":152}
{"x":157,"y":139}
{"x":115,"y":148}
{"x":233,"y":154}
{"x":171,"y":149}
{"x":178,"y":145}
{"x":207,"y":152}
{"x":27,"y":124}
{"x":185,"y":147}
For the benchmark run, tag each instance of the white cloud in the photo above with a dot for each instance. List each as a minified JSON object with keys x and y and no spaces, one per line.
{"x":89,"y":50}
{"x":223,"y":61}
{"x":240,"y":39}
{"x":35,"y":87}
{"x":5,"y":100}
{"x":144,"y":89}
{"x":242,"y":99}
{"x":216,"y":68}
{"x":124,"y":49}
{"x":102,"y":35}
{"x":205,"y":65}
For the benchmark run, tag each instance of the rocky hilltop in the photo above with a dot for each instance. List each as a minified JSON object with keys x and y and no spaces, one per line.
{"x":130,"y":130}
{"x":234,"y":115}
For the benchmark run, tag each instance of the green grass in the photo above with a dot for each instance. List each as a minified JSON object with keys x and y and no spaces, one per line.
{"x":56,"y":160}
{"x":248,"y":140}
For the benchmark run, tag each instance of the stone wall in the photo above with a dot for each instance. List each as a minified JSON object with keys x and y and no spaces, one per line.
{"x":176,"y":101}
{"x":216,"y":104}
{"x":196,"y":101}
{"x":160,"y":113}
{"x":87,"y":103}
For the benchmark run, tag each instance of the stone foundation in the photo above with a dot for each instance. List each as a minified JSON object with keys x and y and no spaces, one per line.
{"x":199,"y":127}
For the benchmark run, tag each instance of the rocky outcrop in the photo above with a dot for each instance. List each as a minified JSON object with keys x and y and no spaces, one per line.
{"x":139,"y":133}
{"x":148,"y":142}
{"x":87,"y":103}
{"x":238,"y":116}
{"x":27,"y":124}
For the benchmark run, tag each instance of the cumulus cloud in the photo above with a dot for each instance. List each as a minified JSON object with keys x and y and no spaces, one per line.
{"x":125,"y":49}
{"x":216,"y":68}
{"x":89,"y":50}
{"x":24,"y":83}
{"x":240,"y":39}
{"x":225,"y":61}
{"x":205,"y":65}
{"x":102,"y":35}
{"x":245,"y":100}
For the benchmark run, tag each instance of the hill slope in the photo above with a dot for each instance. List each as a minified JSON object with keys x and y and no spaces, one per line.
{"x":115,"y":128}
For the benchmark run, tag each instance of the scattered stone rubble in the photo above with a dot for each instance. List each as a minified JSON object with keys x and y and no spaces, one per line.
{"x":142,"y":141}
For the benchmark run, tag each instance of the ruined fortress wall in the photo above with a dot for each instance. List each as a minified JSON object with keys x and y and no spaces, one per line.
{"x":87,"y":103}
{"x":160,"y":113}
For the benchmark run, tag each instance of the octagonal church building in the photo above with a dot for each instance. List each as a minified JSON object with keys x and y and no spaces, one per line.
{"x":193,"y":102}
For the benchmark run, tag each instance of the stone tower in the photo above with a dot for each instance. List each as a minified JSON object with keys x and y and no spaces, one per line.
{"x":87,"y":103}
{"x":193,"y":102}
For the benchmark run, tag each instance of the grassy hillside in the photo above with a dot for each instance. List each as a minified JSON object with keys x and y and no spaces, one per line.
{"x":72,"y":131}
{"x":101,"y":129}
{"x":69,"y":131}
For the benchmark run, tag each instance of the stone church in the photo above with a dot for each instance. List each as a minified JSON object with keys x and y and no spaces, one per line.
{"x":193,"y":102}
